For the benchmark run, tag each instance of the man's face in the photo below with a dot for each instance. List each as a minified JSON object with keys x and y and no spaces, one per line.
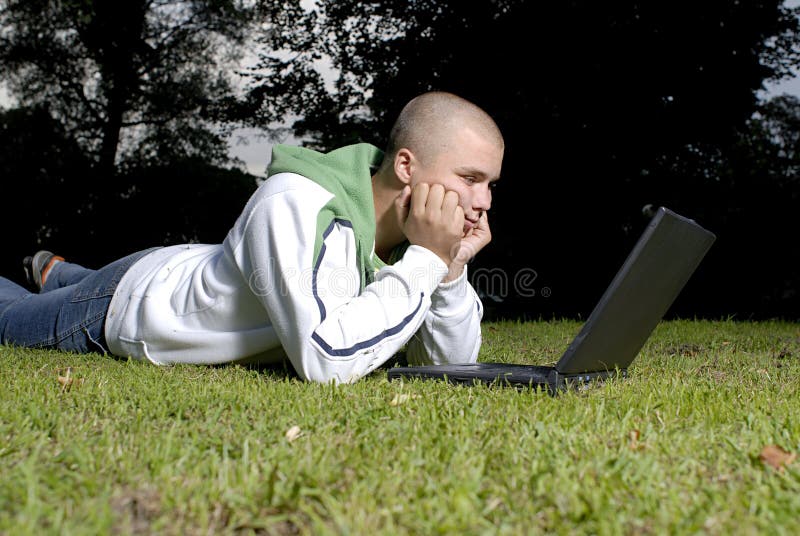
{"x":469,"y":166}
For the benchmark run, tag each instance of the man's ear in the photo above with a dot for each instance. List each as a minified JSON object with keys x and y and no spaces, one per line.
{"x":404,"y":163}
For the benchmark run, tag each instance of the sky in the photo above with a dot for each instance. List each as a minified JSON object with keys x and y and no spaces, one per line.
{"x":791,"y":86}
{"x":246,"y":145}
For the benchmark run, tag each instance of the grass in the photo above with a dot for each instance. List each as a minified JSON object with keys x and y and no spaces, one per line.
{"x":675,"y":448}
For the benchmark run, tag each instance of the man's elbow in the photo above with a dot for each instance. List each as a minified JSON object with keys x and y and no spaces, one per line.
{"x":330,"y":373}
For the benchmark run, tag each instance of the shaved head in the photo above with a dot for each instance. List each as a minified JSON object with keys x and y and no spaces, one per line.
{"x":427,"y":123}
{"x":441,"y":144}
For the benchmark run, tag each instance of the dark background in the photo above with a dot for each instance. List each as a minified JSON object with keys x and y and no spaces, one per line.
{"x":118,"y":141}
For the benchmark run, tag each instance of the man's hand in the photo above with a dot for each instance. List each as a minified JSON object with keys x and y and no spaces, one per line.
{"x":435,"y":220}
{"x":474,"y":241}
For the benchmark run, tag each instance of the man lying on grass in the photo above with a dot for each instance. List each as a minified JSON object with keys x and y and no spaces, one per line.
{"x":336,"y":262}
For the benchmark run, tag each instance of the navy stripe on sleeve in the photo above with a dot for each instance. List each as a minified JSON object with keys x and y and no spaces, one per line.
{"x":340,"y":352}
{"x":322,"y":250}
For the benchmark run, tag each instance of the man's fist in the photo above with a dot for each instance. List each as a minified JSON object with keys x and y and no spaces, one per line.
{"x":435,"y":220}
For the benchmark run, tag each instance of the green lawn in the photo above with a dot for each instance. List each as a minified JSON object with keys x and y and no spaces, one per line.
{"x":673,"y":449}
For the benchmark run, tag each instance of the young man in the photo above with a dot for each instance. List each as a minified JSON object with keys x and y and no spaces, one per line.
{"x":337,"y":261}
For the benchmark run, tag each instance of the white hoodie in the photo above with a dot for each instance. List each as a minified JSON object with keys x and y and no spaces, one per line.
{"x":283,"y":284}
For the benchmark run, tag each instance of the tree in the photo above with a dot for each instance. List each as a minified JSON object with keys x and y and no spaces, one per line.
{"x":135,"y":92}
{"x":136,"y":79}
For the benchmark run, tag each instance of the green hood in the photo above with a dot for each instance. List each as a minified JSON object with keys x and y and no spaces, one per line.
{"x":347,"y":174}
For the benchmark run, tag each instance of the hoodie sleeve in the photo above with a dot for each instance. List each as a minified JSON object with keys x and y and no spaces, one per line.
{"x":451,"y":331}
{"x":329,"y":329}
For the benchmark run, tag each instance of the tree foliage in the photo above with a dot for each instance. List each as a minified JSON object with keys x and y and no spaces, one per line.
{"x":147,"y":73}
{"x":570,"y":65}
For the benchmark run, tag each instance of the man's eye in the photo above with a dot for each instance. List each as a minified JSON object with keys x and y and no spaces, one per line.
{"x":470,"y":179}
{"x":493,"y":185}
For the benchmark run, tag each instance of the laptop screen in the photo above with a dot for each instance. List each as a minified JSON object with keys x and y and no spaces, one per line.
{"x":658,"y":267}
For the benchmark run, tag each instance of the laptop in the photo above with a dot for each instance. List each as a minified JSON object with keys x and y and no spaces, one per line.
{"x":662,"y":261}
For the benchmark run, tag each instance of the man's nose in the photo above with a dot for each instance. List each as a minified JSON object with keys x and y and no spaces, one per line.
{"x":483,"y":198}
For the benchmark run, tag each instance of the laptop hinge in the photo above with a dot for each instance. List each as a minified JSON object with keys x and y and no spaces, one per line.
{"x":580,"y":380}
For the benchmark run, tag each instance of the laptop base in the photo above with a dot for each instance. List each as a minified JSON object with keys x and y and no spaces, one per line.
{"x":505,"y":375}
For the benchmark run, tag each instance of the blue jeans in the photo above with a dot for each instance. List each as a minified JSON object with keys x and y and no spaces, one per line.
{"x":70,"y":311}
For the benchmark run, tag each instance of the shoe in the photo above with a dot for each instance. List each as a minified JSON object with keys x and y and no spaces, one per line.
{"x":38,"y":266}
